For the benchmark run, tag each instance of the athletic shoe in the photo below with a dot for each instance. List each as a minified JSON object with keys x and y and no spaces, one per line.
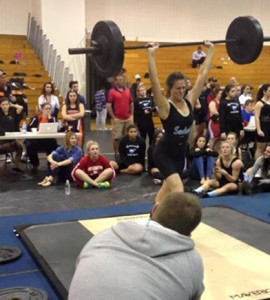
{"x":104,"y":185}
{"x":8,"y":159}
{"x":157,"y":181}
{"x":87,"y":185}
{"x":17,"y":171}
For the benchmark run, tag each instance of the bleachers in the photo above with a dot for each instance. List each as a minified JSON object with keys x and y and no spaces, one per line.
{"x":179,"y":59}
{"x":136,"y":62}
{"x":28,"y":64}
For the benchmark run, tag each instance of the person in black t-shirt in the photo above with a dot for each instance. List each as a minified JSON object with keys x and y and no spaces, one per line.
{"x":132,"y":153}
{"x":143,"y":107}
{"x":9,"y":122}
{"x":230,"y":116}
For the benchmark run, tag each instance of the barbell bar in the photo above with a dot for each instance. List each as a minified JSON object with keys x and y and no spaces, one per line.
{"x":244,"y":42}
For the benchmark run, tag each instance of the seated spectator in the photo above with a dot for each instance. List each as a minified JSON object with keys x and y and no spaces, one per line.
{"x":143,"y":108}
{"x":152,"y":168}
{"x":259,"y":174}
{"x":10,"y":115}
{"x":244,"y":95}
{"x":232,"y":138}
{"x":48,"y":96}
{"x":247,"y":112}
{"x":227,"y":174}
{"x":62,"y":160}
{"x":144,"y":259}
{"x":94,"y":169}
{"x":33,"y":147}
{"x":198,"y":57}
{"x":18,"y":97}
{"x":131,"y":152}
{"x":73,"y":112}
{"x":202,"y":160}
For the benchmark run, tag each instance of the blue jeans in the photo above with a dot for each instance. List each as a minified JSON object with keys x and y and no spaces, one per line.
{"x":62,"y":173}
{"x":201,"y":168}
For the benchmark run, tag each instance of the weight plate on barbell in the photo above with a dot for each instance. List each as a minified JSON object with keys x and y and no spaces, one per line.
{"x":107,"y":35}
{"x":9,"y":253}
{"x":248,"y":31}
{"x":23,"y":293}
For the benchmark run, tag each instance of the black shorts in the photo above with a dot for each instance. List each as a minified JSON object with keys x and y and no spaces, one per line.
{"x":170,"y":160}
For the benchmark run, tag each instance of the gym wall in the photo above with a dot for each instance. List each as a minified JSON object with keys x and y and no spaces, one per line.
{"x":175,"y":20}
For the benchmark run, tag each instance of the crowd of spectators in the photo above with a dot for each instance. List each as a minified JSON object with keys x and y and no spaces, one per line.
{"x":228,"y":114}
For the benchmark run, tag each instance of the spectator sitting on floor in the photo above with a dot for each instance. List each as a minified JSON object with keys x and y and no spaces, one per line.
{"x":227,"y":173}
{"x":62,"y":160}
{"x":198,"y":57}
{"x":259,"y":174}
{"x":132,"y":153}
{"x":247,"y":112}
{"x":34,"y":146}
{"x":152,"y":259}
{"x":152,"y":168}
{"x":10,"y":115}
{"x":94,"y":169}
{"x":202,"y":160}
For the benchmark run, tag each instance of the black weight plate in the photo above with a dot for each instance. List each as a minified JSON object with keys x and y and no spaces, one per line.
{"x":249,"y":33}
{"x":8,"y":253}
{"x":109,"y":37}
{"x":23,"y":293}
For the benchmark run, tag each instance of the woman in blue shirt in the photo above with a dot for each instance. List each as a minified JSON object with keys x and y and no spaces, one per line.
{"x":62,"y":160}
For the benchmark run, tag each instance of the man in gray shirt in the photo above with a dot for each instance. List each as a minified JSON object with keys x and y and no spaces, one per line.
{"x":146,"y":259}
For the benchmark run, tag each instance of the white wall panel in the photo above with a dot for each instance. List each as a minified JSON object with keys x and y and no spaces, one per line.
{"x":14,"y":16}
{"x":175,"y":20}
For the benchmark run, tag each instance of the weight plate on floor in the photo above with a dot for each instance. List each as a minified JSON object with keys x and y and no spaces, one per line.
{"x":8,"y":253}
{"x":23,"y":293}
{"x":107,"y":35}
{"x":248,"y":32}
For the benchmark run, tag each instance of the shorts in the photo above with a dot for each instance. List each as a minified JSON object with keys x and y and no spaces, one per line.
{"x":170,"y":163}
{"x":80,"y":182}
{"x":119,"y":127}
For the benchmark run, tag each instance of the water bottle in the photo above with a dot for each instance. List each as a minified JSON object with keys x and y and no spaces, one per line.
{"x":67,"y":187}
{"x":24,"y":127}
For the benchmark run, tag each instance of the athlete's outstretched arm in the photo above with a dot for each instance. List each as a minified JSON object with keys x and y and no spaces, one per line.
{"x":204,"y":70}
{"x":161,"y":102}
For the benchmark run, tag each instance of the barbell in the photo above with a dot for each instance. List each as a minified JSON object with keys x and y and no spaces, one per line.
{"x":244,"y":42}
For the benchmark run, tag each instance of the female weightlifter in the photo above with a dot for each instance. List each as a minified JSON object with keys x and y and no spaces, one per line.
{"x":177,"y":119}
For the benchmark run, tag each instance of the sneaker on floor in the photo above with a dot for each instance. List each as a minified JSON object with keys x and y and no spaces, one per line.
{"x":8,"y":159}
{"x":17,"y":171}
{"x":157,"y":181}
{"x":87,"y":185}
{"x":24,"y":157}
{"x":104,"y":185}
